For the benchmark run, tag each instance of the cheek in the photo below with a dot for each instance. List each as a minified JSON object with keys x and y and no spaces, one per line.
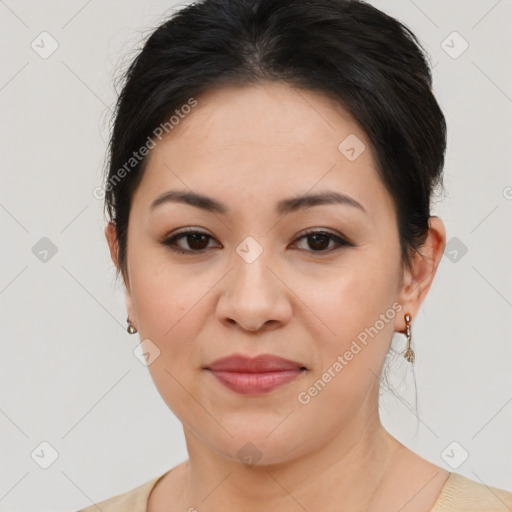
{"x":353,"y":309}
{"x":171,"y":314}
{"x":164,"y":295}
{"x":355,"y":299}
{"x":156,"y":302}
{"x":352,"y":351}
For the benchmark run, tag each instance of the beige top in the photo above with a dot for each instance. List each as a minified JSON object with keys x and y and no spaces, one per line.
{"x":459,"y":494}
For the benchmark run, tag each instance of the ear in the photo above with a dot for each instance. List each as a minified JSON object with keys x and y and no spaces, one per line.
{"x":113,"y":244}
{"x":418,"y":279}
{"x":111,"y":235}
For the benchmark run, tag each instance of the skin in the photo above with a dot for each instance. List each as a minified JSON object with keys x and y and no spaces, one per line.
{"x":250,"y":147}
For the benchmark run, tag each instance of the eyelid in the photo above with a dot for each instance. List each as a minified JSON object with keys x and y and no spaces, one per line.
{"x":323,"y":231}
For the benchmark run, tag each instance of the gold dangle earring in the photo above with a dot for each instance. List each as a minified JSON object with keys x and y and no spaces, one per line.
{"x":409,"y":353}
{"x":130,"y":329}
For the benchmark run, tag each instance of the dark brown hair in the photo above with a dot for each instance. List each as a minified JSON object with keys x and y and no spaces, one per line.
{"x":347,"y":49}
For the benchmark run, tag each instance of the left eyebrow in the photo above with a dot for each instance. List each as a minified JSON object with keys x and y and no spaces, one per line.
{"x":309,"y":200}
{"x":283,"y":207}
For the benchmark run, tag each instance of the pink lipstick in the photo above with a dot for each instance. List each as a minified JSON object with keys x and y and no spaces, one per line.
{"x":257,"y":375}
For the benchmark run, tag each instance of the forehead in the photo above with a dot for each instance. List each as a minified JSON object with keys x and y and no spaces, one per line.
{"x":268,"y":113}
{"x":268,"y":140}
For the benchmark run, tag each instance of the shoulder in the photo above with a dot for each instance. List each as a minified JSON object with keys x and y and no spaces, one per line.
{"x":134,"y":500}
{"x":463,"y":494}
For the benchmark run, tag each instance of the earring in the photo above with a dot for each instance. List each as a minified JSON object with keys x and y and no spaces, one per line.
{"x":130,"y":329}
{"x":409,"y":353}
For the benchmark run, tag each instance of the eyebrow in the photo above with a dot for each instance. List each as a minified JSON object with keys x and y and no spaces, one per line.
{"x":283,"y":207}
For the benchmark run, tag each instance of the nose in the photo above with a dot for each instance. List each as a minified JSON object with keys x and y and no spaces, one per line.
{"x":254,"y":297}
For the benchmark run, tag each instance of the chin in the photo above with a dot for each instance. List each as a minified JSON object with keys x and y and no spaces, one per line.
{"x":260,"y":444}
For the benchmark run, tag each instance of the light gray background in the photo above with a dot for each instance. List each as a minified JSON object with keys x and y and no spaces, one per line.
{"x":68,"y":374}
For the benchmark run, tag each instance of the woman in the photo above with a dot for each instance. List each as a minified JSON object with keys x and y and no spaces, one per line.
{"x":271,"y":169}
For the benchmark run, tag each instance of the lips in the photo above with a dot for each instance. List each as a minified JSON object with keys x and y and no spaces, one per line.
{"x":261,"y":363}
{"x":253,"y":376}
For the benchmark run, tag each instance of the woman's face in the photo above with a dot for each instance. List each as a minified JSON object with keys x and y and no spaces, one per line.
{"x":253,"y":283}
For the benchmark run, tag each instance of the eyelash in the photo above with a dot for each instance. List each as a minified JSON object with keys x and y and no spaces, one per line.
{"x":171,"y":241}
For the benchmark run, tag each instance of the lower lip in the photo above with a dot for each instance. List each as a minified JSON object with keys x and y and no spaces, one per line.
{"x":255,"y":383}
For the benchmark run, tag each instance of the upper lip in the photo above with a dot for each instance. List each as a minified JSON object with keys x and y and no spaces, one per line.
{"x":262,"y":363}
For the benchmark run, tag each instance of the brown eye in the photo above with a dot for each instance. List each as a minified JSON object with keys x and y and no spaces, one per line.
{"x":190,"y":241}
{"x":196,"y":241}
{"x":320,"y":241}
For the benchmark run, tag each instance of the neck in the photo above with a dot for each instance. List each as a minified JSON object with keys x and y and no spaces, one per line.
{"x":345,"y":472}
